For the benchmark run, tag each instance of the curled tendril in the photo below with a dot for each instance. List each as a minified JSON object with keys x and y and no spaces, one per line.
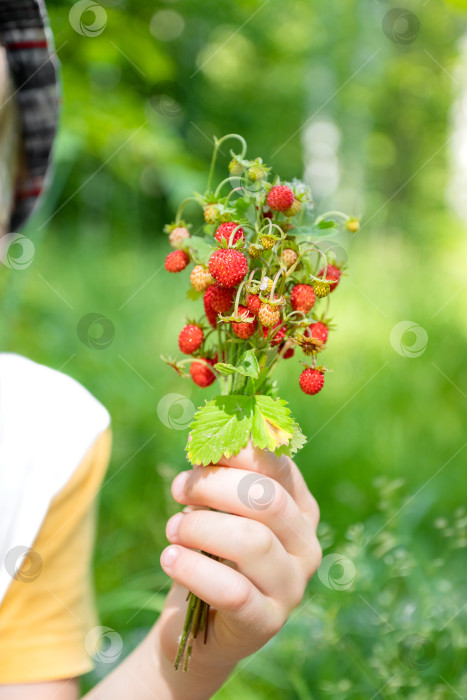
{"x":323,"y":217}
{"x":293,"y":321}
{"x":182,"y":206}
{"x":270,"y":225}
{"x":323,"y":255}
{"x":233,"y":136}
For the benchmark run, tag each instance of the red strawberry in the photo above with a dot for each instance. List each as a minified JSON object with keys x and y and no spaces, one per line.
{"x":190,"y":339}
{"x":288,"y":353}
{"x":211,"y":315}
{"x":225,"y":231}
{"x":280,"y":198}
{"x":176,"y":261}
{"x":278,"y":336}
{"x":319,"y":331}
{"x":228,"y":266}
{"x":201,"y":374}
{"x":333,"y":275}
{"x":311,"y":380}
{"x":244,"y":329}
{"x":221,"y":298}
{"x":253,"y":303}
{"x":302,"y":297}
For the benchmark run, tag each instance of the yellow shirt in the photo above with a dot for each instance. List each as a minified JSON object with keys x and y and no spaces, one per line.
{"x":49,"y":609}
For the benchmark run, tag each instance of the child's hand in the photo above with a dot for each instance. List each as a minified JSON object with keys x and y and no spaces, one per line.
{"x":266,"y":539}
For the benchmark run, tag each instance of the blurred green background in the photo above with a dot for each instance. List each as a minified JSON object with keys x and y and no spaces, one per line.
{"x":367,"y":101}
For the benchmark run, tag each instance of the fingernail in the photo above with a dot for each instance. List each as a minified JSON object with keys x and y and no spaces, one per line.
{"x":172,"y":524}
{"x":179,"y":483}
{"x":168,"y":556}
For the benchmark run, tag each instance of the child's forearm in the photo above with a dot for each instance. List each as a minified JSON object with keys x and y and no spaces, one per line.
{"x":147,"y":674}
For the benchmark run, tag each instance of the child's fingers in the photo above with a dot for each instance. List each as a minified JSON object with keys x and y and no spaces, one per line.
{"x":252,"y":546}
{"x":282,"y":469}
{"x":219,"y":585}
{"x":235,"y":491}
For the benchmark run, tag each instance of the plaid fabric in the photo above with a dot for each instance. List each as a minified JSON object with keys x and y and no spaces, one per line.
{"x":28,"y":42}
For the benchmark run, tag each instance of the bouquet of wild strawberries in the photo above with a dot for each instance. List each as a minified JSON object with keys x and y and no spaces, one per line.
{"x":262,"y":277}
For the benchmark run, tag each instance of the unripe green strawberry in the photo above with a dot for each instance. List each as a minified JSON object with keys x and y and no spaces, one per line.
{"x":211,"y":214}
{"x":228,"y":266}
{"x":333,"y":275}
{"x":255,"y":250}
{"x":235,"y":167}
{"x":352,"y":225}
{"x":244,"y":329}
{"x":256,"y":172}
{"x":222,"y":298}
{"x":302,"y":298}
{"x":289,"y":257}
{"x":178,"y":236}
{"x":201,"y":374}
{"x":311,"y":380}
{"x":267,"y":242}
{"x":294,"y":208}
{"x":266,"y":284}
{"x":176,"y":261}
{"x":190,"y":339}
{"x":321,"y":289}
{"x":200,"y":278}
{"x":269,"y":315}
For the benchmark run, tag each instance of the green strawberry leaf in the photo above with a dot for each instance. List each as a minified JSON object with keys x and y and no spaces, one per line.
{"x":225,"y":368}
{"x":260,"y":434}
{"x":326,"y":224}
{"x":201,"y":249}
{"x":272,"y":424}
{"x":221,"y":427}
{"x":247,"y":365}
{"x":224,"y":425}
{"x":296,"y":442}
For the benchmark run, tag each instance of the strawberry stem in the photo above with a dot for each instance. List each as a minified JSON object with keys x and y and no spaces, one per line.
{"x":196,"y":618}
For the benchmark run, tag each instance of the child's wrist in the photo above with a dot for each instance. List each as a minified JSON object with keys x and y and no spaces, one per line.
{"x":203,"y":678}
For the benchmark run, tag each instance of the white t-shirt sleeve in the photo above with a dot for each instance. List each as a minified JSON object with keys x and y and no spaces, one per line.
{"x":48,"y":422}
